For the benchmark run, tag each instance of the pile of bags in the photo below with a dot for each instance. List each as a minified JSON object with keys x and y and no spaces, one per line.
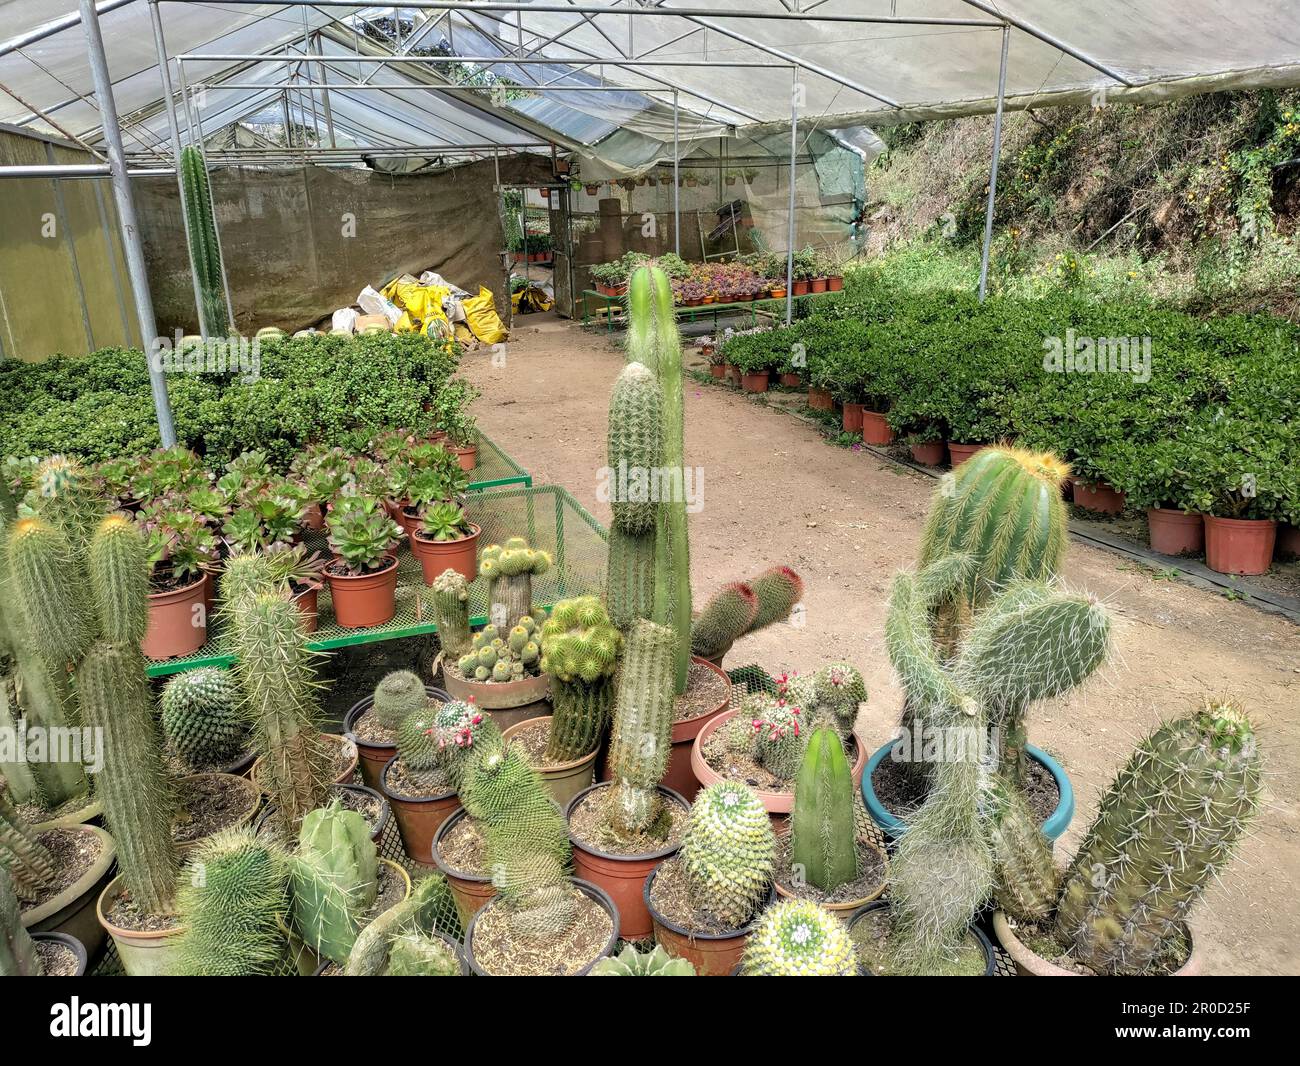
{"x":427,"y":304}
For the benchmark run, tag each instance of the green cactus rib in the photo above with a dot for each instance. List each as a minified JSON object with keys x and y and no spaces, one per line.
{"x":727,"y":616}
{"x":1026,"y":875}
{"x":205,"y":252}
{"x":334,"y":879}
{"x":631,"y":963}
{"x":398,"y":695}
{"x":119,"y":580}
{"x":630,"y":577}
{"x":643,"y":721}
{"x":133,"y":785}
{"x":1169,"y":822}
{"x":18,"y":956}
{"x":728,"y":853}
{"x":580,"y":652}
{"x":29,"y":861}
{"x":449,"y":596}
{"x":635,"y":447}
{"x":823,"y":835}
{"x":510,"y":569}
{"x":797,"y":938}
{"x":201,"y":718}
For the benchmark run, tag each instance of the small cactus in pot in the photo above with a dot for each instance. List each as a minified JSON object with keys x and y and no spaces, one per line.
{"x":779,"y":738}
{"x":823,"y":833}
{"x":501,"y":656}
{"x":399,"y":695}
{"x":728,"y":853}
{"x":201,"y":717}
{"x":449,"y":595}
{"x":797,"y":938}
{"x":580,"y":652}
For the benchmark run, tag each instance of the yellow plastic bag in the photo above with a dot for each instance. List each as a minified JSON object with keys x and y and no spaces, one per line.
{"x":422,"y":307}
{"x":481,"y":314}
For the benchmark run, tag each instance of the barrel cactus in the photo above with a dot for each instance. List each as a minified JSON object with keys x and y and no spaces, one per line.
{"x":839,"y":692}
{"x":464,"y":734}
{"x":449,"y":596}
{"x":334,"y":879}
{"x":643,"y":721}
{"x":1169,"y":822}
{"x":797,"y":938}
{"x":510,"y":569}
{"x":631,"y":963}
{"x":779,"y":738}
{"x":823,"y":835}
{"x":728,"y":853}
{"x":580,"y":652}
{"x":397,"y":696}
{"x":201,"y":717}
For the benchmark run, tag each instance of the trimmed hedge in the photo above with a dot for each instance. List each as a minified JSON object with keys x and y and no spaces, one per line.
{"x":1217,"y":419}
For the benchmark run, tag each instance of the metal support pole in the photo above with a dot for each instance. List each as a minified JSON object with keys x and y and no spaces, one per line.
{"x":160,"y":46}
{"x":677,"y":184}
{"x":131,"y":247}
{"x":325,"y":97}
{"x":993,"y":170}
{"x":792,"y":235}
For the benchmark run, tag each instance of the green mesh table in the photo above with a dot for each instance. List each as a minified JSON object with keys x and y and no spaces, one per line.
{"x":614,"y":309}
{"x":546,"y":515}
{"x":495,"y":467}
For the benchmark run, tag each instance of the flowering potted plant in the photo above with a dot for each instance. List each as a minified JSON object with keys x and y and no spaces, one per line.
{"x":363,"y":576}
{"x":446,"y":539}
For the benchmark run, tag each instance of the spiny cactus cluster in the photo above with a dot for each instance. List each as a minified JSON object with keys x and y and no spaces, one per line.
{"x":728,"y":853}
{"x":631,"y":963}
{"x":743,"y":607}
{"x":510,"y":569}
{"x":779,"y":736}
{"x":823,"y":832}
{"x":18,"y":955}
{"x":64,"y":495}
{"x":580,"y":652}
{"x":29,"y":863}
{"x":512,"y":657}
{"x":430,"y":909}
{"x":830,"y":696}
{"x":334,"y":879}
{"x":643,"y":722}
{"x":449,"y":596}
{"x":399,"y":695}
{"x":464,"y":734}
{"x":797,"y":938}
{"x":1169,"y":822}
{"x":201,"y":717}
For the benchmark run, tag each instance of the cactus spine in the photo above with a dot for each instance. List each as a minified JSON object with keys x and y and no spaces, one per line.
{"x":27,"y":859}
{"x":450,"y":598}
{"x":630,"y":577}
{"x":643,"y":723}
{"x":205,"y":253}
{"x":777,"y":591}
{"x":399,"y":695}
{"x":334,"y":879}
{"x":728,"y":853}
{"x":823,"y":837}
{"x":1168,"y":823}
{"x":200,"y":716}
{"x":725,"y":618}
{"x":779,"y":738}
{"x":18,"y":957}
{"x":580,"y":651}
{"x":1026,"y":875}
{"x":52,"y":591}
{"x":797,"y":938}
{"x":119,"y":580}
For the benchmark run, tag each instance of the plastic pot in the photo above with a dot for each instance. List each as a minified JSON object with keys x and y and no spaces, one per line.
{"x":975,"y":930}
{"x":307,"y":600}
{"x":756,"y":382}
{"x":820,"y":399}
{"x":435,"y":556}
{"x":143,"y":954}
{"x":835,"y":283}
{"x":712,"y":954}
{"x":373,"y":757}
{"x":623,"y":877}
{"x":817,"y":285}
{"x":467,"y":456}
{"x":845,"y":909}
{"x":587,"y":889}
{"x":1287,"y":545}
{"x":1097,"y":496}
{"x":418,"y":817}
{"x":72,"y":944}
{"x":1239,"y":545}
{"x":800,"y":288}
{"x":385,"y":809}
{"x":508,"y":702}
{"x":72,"y":911}
{"x":1030,"y":964}
{"x":176,"y":628}
{"x":959,"y":453}
{"x":564,"y":780}
{"x":790,"y":381}
{"x":929,"y":454}
{"x":717,"y":370}
{"x":1053,"y":826}
{"x":470,"y":891}
{"x":1174,"y":533}
{"x":851,"y":418}
{"x":91,"y":812}
{"x":362,"y":600}
{"x":313,"y":517}
{"x":875,"y":428}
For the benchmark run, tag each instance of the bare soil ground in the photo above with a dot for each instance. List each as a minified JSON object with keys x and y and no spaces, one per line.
{"x":775,"y":492}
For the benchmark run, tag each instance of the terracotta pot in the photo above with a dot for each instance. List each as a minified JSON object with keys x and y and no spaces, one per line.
{"x":718,"y":370}
{"x":587,"y":889}
{"x":508,"y":702}
{"x":791,"y":381}
{"x":1174,"y":533}
{"x":835,"y":283}
{"x":470,"y":891}
{"x":72,"y":911}
{"x":1288,"y":541}
{"x":712,"y":954}
{"x":959,"y":453}
{"x":975,"y":930}
{"x":801,"y":288}
{"x":621,"y":876}
{"x":385,"y":809}
{"x":253,"y":800}
{"x":875,"y":428}
{"x":775,"y":802}
{"x":1030,"y":964}
{"x":401,"y":515}
{"x":756,"y":382}
{"x":91,"y":812}
{"x":817,"y":285}
{"x":143,"y":954}
{"x":777,"y":293}
{"x":1239,"y":545}
{"x":1097,"y":496}
{"x":435,"y":556}
{"x":335,"y":739}
{"x":851,"y":418}
{"x":314,"y":517}
{"x":820,"y":399}
{"x":930,"y":453}
{"x":72,"y":944}
{"x":467,"y":456}
{"x":374,"y":757}
{"x":733,"y":372}
{"x":178,"y":621}
{"x":307,"y":601}
{"x":418,"y":817}
{"x":564,"y":780}
{"x":366,"y":599}
{"x":845,"y":909}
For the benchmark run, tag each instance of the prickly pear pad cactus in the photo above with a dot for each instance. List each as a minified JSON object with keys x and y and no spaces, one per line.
{"x":201,"y":716}
{"x":397,"y":696}
{"x":335,"y":879}
{"x":631,"y":963}
{"x":797,"y":938}
{"x":1169,"y":823}
{"x":728,"y":853}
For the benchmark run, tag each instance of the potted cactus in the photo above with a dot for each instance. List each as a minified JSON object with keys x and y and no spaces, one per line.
{"x":631,"y":963}
{"x":446,"y":539}
{"x":541,"y":921}
{"x":797,"y":938}
{"x":419,"y":937}
{"x":363,"y":576}
{"x":23,"y":954}
{"x":449,"y":598}
{"x":203,"y":722}
{"x":372,"y":723}
{"x":579,"y":653}
{"x":704,"y":900}
{"x":1189,"y":789}
{"x":622,"y":830}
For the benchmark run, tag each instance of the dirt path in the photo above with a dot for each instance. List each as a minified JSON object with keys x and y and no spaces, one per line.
{"x":774,"y":492}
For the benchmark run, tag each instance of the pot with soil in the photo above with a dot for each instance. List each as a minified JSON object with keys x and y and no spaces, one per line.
{"x":342,"y":751}
{"x":1097,"y":496}
{"x":875,"y":428}
{"x":145,"y":943}
{"x":718,"y":371}
{"x":1025,"y":953}
{"x":467,"y":456}
{"x":1239,"y":545}
{"x":365,"y":801}
{"x":564,"y":778}
{"x":60,"y":955}
{"x":376,"y":744}
{"x":210,"y":803}
{"x":602,"y":857}
{"x":754,"y":382}
{"x":460,"y":852}
{"x":892,"y":785}
{"x":872,"y":931}
{"x":508,"y":702}
{"x":930,"y":453}
{"x":851,"y":417}
{"x":435,"y":555}
{"x":82,"y":860}
{"x":835,"y":283}
{"x":306,"y":597}
{"x":494,"y":950}
{"x":1172,"y":532}
{"x":363,"y":599}
{"x":791,"y":381}
{"x":419,"y":806}
{"x":177,"y":621}
{"x":80,"y":811}
{"x":820,"y":399}
{"x":800,"y":288}
{"x":959,"y":453}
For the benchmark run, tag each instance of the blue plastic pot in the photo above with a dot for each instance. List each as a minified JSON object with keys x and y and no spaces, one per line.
{"x":1056,"y":823}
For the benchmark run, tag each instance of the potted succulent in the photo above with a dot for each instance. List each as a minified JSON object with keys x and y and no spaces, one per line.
{"x":446,"y":538}
{"x":927,"y":446}
{"x":798,"y":938}
{"x":181,"y":548}
{"x":1239,"y":490}
{"x":453,"y":415}
{"x":321,"y":473}
{"x":704,"y":901}
{"x":372,"y":721}
{"x":363,"y":576}
{"x":631,"y":963}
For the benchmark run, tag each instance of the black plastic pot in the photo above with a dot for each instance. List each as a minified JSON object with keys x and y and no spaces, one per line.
{"x":385,"y":809}
{"x":587,"y":889}
{"x":77,"y":947}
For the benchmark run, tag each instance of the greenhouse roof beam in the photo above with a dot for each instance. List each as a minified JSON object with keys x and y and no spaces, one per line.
{"x":1048,"y":38}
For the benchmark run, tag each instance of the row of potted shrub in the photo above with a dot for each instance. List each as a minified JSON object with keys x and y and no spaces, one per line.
{"x":750,"y":277}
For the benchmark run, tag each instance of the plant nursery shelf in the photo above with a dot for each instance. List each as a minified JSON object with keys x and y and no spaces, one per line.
{"x":614,"y":308}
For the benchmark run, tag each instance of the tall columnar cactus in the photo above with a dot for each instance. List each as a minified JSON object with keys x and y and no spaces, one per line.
{"x":334,"y":879}
{"x":778,"y":590}
{"x":28,"y":860}
{"x":64,"y":496}
{"x":726,"y":617}
{"x":779,"y":738}
{"x":643,"y":723}
{"x":450,"y":598}
{"x":823,"y":835}
{"x":430,"y":908}
{"x":205,"y":253}
{"x":276,"y":674}
{"x":728,"y":853}
{"x":653,"y":340}
{"x":399,"y":695}
{"x":510,"y":569}
{"x":635,"y":447}
{"x":580,"y":652}
{"x":119,"y":580}
{"x":201,"y":717}
{"x":18,"y":956}
{"x":52,"y":591}
{"x":233,"y":900}
{"x":527,"y":843}
{"x":630,"y":577}
{"x":797,"y":938}
{"x":1169,"y":823}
